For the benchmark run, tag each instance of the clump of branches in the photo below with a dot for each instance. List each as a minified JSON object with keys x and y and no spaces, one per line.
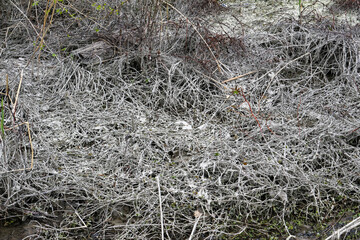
{"x":325,"y":52}
{"x":348,"y":4}
{"x":144,"y":129}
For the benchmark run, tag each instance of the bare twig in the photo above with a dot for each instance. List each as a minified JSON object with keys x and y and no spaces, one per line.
{"x":237,"y":77}
{"x":351,"y":225}
{"x":161,"y":211}
{"x":18,"y":92}
{"x":197,"y":218}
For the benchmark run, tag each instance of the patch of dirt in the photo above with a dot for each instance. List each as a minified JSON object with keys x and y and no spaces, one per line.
{"x":16,"y":231}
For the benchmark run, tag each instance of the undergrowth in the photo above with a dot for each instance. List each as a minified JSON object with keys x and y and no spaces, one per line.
{"x":146,"y":118}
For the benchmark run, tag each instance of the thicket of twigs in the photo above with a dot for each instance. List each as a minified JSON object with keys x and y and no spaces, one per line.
{"x":140,"y":132}
{"x":348,"y":4}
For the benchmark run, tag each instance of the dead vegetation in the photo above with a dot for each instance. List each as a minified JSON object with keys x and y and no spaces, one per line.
{"x":142,"y":128}
{"x":349,"y":4}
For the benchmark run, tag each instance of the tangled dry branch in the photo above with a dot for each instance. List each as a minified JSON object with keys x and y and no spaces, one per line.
{"x":113,"y":131}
